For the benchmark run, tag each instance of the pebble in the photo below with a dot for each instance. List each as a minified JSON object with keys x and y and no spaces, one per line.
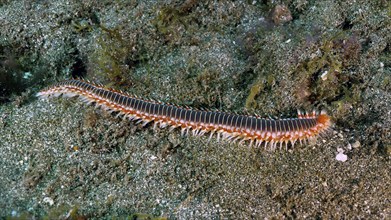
{"x":356,"y":144}
{"x":341,"y":157}
{"x":281,"y":14}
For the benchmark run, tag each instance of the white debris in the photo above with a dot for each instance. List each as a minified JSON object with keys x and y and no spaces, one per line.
{"x":349,"y":146}
{"x":14,"y":213}
{"x":324,"y":75}
{"x":341,"y":156}
{"x":27,"y":75}
{"x":48,"y":200}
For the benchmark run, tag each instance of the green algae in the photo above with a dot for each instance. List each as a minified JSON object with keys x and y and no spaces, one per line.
{"x":108,"y":60}
{"x":254,"y":91}
{"x":176,"y":23}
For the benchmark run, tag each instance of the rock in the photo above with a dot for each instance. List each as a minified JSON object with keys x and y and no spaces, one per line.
{"x":281,"y":14}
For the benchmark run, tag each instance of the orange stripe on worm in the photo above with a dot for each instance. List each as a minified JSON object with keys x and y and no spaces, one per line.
{"x":230,"y":126}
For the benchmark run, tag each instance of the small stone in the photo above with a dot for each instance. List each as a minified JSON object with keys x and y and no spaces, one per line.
{"x":324,"y":75}
{"x":281,"y":14}
{"x":356,"y":144}
{"x":48,"y":200}
{"x":341,"y":157}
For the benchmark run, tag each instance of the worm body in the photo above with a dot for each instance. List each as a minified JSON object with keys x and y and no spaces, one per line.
{"x":230,"y":126}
